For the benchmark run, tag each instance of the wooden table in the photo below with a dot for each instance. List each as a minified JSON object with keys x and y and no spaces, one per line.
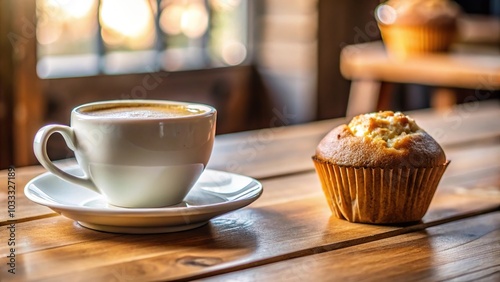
{"x":368,"y":65}
{"x":288,"y":234}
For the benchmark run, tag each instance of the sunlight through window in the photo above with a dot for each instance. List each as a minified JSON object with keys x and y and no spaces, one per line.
{"x":91,"y":37}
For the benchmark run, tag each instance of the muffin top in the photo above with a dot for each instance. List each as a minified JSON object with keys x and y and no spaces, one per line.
{"x":384,"y":139}
{"x":417,"y":12}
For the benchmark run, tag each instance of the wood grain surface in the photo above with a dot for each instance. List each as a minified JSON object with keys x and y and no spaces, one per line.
{"x":455,"y":251}
{"x":289,"y":233}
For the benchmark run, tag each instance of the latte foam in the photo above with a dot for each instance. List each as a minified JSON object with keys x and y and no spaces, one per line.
{"x":143,"y":112}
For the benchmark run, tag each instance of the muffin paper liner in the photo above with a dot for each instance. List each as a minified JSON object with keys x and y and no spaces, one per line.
{"x":405,"y":41}
{"x":378,"y":195}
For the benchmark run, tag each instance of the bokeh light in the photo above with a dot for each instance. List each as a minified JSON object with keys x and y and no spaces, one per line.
{"x":192,"y":34}
{"x":194,"y":21}
{"x":74,"y":8}
{"x":234,"y":53}
{"x":188,"y":18}
{"x":127,"y":22}
{"x":48,"y":33}
{"x":170,"y":19}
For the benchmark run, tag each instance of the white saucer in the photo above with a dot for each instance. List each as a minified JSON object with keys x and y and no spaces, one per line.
{"x":214,"y":194}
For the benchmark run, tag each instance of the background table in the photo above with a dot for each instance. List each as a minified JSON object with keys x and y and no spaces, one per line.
{"x":368,"y":65}
{"x":289,"y":234}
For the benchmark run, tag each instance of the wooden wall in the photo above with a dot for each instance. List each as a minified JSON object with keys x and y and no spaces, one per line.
{"x":6,"y":86}
{"x":286,"y":55}
{"x":341,"y":22}
{"x":21,"y":95}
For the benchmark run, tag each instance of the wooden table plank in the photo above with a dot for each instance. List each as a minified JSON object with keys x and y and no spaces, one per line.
{"x":271,"y":152}
{"x":465,"y":250}
{"x":24,"y":207}
{"x":463,"y":124}
{"x":211,"y":249}
{"x":291,"y":219}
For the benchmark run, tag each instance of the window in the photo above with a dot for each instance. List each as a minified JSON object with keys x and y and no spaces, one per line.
{"x":91,"y":37}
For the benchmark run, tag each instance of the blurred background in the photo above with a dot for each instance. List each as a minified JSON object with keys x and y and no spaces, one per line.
{"x":255,"y":61}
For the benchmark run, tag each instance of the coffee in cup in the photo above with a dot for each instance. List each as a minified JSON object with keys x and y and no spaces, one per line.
{"x":142,"y":111}
{"x":137,"y":153}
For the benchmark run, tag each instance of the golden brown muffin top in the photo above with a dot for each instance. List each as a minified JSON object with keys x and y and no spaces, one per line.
{"x":417,"y":12}
{"x":383,"y":139}
{"x":387,"y":127}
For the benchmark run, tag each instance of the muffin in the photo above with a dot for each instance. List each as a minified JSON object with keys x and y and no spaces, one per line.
{"x":381,"y":168}
{"x":410,"y":27}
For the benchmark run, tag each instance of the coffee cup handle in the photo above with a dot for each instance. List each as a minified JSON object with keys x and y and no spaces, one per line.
{"x":40,"y":149}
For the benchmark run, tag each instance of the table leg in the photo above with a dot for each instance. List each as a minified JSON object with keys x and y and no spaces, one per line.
{"x":443,"y":99}
{"x":363,"y":97}
{"x":385,"y":100}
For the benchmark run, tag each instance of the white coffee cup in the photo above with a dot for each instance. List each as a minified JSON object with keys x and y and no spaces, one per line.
{"x":137,"y":153}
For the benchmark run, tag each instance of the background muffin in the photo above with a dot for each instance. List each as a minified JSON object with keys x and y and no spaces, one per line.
{"x":410,"y":27}
{"x":380,"y":168}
